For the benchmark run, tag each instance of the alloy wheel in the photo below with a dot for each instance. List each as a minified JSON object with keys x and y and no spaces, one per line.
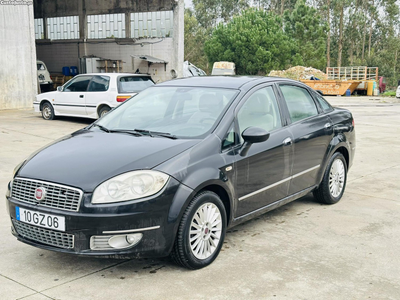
{"x":205,"y":231}
{"x":336,"y":178}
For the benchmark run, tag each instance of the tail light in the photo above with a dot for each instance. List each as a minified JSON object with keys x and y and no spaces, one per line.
{"x":122,"y":98}
{"x":352,"y":122}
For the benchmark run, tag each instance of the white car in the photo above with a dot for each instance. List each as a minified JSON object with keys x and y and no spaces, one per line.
{"x":90,"y":95}
{"x":398,"y":92}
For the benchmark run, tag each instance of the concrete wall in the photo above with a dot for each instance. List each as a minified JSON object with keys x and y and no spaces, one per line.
{"x":18,"y":75}
{"x":58,"y":55}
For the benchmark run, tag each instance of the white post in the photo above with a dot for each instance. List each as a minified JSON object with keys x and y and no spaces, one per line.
{"x":178,"y":38}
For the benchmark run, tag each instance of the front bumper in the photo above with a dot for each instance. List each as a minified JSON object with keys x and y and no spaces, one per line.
{"x":157,"y":219}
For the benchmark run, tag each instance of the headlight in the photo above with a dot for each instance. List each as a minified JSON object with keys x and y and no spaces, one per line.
{"x":130,"y":186}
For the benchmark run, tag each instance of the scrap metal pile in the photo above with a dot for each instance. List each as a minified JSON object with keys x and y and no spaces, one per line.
{"x":299,"y":72}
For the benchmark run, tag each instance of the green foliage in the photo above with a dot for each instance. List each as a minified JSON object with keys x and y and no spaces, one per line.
{"x":209,"y":12}
{"x":195,"y":37}
{"x":303,"y":24}
{"x":254,"y":41}
{"x":389,"y":94}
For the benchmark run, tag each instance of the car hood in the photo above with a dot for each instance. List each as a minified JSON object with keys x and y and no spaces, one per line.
{"x":46,"y":95}
{"x":86,"y":158}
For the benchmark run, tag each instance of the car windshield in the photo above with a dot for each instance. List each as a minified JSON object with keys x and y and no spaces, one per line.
{"x":180,"y":111}
{"x":133,"y":84}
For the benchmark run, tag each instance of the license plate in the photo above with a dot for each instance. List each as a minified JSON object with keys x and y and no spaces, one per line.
{"x":40,"y":219}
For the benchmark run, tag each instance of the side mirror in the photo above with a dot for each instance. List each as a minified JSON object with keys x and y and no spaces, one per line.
{"x":252,"y":135}
{"x":60,"y":88}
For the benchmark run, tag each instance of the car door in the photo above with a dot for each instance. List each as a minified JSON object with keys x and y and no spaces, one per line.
{"x":312,"y":132}
{"x":97,"y":92}
{"x":263,"y":175}
{"x":71,"y":101}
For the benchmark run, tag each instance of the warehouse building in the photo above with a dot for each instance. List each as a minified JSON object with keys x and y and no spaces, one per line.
{"x":82,"y":36}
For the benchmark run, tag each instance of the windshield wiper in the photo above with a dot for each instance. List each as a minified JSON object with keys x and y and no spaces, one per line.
{"x":134,"y":132}
{"x":156,"y":133}
{"x":102,"y":127}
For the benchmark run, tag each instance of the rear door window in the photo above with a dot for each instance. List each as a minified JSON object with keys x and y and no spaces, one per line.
{"x":99,"y":84}
{"x":133,"y":84}
{"x":299,"y":102}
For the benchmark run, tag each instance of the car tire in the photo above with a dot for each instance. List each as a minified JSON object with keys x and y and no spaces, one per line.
{"x":47,"y":111}
{"x":199,"y":241}
{"x":331,"y":189}
{"x":103,"y":111}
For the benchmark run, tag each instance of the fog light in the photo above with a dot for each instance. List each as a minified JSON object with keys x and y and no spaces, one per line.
{"x":134,"y":238}
{"x":110,"y":242}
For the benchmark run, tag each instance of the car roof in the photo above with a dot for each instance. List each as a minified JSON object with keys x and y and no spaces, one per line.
{"x":116,"y":74}
{"x":233,"y":82}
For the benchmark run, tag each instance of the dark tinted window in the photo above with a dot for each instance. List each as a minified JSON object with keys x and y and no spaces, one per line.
{"x":99,"y":84}
{"x":133,"y":84}
{"x":40,"y":66}
{"x":324,"y":104}
{"x":230,"y":139}
{"x":78,"y":84}
{"x":299,"y":102}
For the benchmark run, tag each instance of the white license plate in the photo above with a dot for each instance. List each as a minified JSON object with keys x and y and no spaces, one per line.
{"x":40,"y":219}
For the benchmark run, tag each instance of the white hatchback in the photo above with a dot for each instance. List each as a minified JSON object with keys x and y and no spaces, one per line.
{"x":90,"y":95}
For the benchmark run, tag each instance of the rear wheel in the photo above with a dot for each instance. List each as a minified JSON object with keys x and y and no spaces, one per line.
{"x":103,"y":111}
{"x":201,"y":232}
{"x":47,"y":111}
{"x":331,"y":189}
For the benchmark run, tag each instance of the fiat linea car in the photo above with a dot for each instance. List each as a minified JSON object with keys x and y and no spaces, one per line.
{"x":168,"y":171}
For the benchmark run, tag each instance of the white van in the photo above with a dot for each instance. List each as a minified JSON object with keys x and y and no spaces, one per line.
{"x":46,"y":84}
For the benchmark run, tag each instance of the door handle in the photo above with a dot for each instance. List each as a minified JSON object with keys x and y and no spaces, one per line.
{"x":288,"y":141}
{"x":328,"y":125}
{"x":80,"y":96}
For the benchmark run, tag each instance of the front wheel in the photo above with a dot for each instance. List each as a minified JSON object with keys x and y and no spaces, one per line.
{"x":47,"y":111}
{"x":331,"y":189}
{"x":201,"y":232}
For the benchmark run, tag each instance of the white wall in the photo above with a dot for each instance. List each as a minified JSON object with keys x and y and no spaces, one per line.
{"x":18,"y":74}
{"x":58,"y":55}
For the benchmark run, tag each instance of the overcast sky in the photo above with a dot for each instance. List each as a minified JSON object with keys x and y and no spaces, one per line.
{"x":188,"y":3}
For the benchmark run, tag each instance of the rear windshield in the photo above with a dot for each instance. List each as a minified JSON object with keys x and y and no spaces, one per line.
{"x":133,"y":84}
{"x":40,"y":66}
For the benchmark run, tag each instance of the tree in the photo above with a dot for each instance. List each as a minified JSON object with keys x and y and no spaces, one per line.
{"x":254,"y":41}
{"x":303,"y":24}
{"x":210,"y":12}
{"x":195,"y":37}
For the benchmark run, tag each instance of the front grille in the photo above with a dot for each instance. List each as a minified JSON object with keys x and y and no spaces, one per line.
{"x":44,"y":236}
{"x":57,"y":196}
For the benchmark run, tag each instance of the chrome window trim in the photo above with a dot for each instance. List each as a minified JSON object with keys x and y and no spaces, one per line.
{"x":278,"y":183}
{"x":54,"y":184}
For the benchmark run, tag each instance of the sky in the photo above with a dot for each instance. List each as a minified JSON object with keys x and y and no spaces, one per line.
{"x":188,"y":3}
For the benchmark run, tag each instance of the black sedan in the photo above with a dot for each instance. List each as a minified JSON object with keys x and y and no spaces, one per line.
{"x":168,"y":171}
